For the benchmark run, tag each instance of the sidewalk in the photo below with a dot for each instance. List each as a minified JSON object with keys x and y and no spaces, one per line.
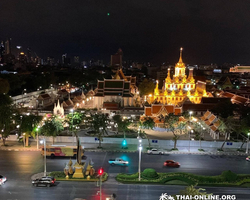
{"x":16,"y":146}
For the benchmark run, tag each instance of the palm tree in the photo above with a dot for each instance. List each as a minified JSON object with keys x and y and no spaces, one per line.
{"x":99,"y":122}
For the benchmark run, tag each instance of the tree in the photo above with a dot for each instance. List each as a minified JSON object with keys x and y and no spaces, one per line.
{"x":52,"y":127}
{"x":4,"y":86}
{"x":28,"y":125}
{"x":146,"y":87}
{"x":224,"y":109}
{"x":147,"y":123}
{"x":99,"y":122}
{"x":171,"y":122}
{"x":227,"y":126}
{"x":74,"y":121}
{"x":122,"y":124}
{"x":6,"y":116}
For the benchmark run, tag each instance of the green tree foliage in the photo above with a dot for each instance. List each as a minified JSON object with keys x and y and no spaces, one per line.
{"x":122,"y":123}
{"x":99,"y":122}
{"x":74,"y":120}
{"x":6,"y":116}
{"x":225,"y":109}
{"x":28,"y":126}
{"x":4,"y":86}
{"x":146,"y":87}
{"x":171,"y":122}
{"x":52,"y":127}
{"x":227,"y":126}
{"x":147,"y":123}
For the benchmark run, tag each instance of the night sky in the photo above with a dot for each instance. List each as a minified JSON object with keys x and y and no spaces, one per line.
{"x":210,"y":31}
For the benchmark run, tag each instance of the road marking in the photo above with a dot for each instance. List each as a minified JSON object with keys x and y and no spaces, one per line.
{"x":104,"y":158}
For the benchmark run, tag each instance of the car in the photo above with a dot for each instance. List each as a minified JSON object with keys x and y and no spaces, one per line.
{"x":44,"y":181}
{"x":2,"y":180}
{"x":118,"y":161}
{"x":248,"y":158}
{"x":155,"y":151}
{"x":171,"y":163}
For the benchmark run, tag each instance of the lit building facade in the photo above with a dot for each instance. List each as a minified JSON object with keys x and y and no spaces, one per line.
{"x":178,"y":88}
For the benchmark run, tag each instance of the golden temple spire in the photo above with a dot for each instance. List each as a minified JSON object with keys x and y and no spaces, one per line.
{"x":204,"y":93}
{"x":180,"y":59}
{"x":156,"y":91}
{"x":168,"y":79}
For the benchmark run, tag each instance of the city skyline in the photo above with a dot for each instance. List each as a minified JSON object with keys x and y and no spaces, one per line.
{"x":146,"y":31}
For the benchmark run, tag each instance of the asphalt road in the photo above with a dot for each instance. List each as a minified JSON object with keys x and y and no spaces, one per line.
{"x":18,"y":167}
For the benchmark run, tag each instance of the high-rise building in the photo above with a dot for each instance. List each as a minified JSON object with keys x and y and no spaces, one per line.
{"x":51,"y":61}
{"x":116,"y":59}
{"x":2,"y":52}
{"x":76,"y":59}
{"x":8,"y":46}
{"x":28,"y":55}
{"x":64,"y":56}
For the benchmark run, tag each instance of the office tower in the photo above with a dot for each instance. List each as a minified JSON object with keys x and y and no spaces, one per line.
{"x":28,"y":55}
{"x":116,"y":59}
{"x":76,"y":59}
{"x":2,"y":52}
{"x":8,"y":46}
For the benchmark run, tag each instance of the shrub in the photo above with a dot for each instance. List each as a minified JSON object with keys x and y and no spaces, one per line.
{"x":57,"y":174}
{"x":180,"y":178}
{"x":149,"y":174}
{"x":229,"y":176}
{"x":128,"y":176}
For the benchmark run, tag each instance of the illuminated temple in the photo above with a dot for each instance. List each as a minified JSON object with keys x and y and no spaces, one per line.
{"x":178,"y":88}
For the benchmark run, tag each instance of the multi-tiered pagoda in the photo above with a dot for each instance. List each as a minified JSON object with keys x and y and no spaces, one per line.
{"x":175,"y":90}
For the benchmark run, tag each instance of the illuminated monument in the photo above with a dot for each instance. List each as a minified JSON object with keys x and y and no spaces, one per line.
{"x":177,"y":89}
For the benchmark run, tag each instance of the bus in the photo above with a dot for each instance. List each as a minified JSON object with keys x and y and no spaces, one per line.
{"x":61,"y":151}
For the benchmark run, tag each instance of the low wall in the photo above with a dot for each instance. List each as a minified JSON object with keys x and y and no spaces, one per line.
{"x":155,"y":143}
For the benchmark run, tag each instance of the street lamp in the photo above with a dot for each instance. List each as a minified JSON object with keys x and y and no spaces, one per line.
{"x":72,"y":110}
{"x":37,"y":129}
{"x":24,"y":90}
{"x":247,"y":142}
{"x":44,"y":153}
{"x":190,"y":113}
{"x":139,"y":166}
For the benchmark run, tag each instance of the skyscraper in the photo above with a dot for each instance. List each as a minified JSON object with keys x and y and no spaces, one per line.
{"x":8,"y":46}
{"x":2,"y":52}
{"x":116,"y":59}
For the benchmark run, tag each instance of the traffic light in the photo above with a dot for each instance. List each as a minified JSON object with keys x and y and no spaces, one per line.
{"x":100,"y":171}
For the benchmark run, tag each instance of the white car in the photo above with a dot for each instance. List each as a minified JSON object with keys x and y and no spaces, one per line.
{"x":2,"y":180}
{"x":155,"y":151}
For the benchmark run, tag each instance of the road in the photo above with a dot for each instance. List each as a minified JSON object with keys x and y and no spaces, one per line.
{"x":18,"y":167}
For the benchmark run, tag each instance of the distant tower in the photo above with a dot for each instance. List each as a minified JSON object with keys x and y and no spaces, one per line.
{"x":28,"y":55}
{"x":64,"y":56}
{"x":8,"y":46}
{"x":76,"y":59}
{"x":116,"y":59}
{"x":2,"y":52}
